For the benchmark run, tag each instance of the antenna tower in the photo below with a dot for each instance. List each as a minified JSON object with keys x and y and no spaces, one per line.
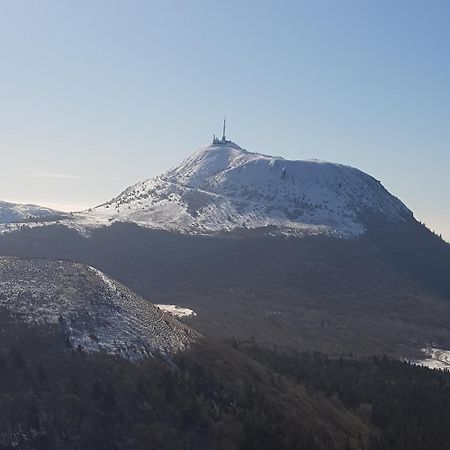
{"x":224,"y":126}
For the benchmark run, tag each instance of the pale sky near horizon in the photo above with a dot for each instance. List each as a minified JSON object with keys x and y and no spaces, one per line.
{"x":97,"y":95}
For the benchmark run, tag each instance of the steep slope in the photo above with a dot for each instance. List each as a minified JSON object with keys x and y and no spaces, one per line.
{"x":13,"y":212}
{"x":223,"y":187}
{"x":93,"y":311}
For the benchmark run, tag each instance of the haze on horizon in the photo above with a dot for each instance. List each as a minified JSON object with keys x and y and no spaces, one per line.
{"x":97,"y":95}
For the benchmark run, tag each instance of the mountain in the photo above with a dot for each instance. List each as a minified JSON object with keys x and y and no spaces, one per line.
{"x":223,"y":187}
{"x":353,"y":272}
{"x":13,"y":212}
{"x":94,"y":312}
{"x":293,"y":274}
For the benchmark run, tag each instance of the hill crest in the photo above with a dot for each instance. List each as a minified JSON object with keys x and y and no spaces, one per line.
{"x":93,"y":311}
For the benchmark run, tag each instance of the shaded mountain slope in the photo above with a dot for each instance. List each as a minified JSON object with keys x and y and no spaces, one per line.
{"x":358,"y":295}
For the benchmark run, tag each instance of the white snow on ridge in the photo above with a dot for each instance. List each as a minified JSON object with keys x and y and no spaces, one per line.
{"x":12,"y":212}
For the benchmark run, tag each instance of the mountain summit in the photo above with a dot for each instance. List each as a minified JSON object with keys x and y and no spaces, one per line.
{"x":223,"y":187}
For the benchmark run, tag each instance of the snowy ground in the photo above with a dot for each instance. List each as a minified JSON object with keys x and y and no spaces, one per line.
{"x":177,"y":311}
{"x":12,"y":212}
{"x":435,"y":358}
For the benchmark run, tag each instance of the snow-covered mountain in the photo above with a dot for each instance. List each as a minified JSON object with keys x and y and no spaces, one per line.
{"x":92,"y":310}
{"x":13,"y":212}
{"x":223,"y":187}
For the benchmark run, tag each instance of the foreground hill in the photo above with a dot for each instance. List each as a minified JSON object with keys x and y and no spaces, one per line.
{"x":84,"y":365}
{"x":211,"y":397}
{"x":63,"y":385}
{"x":93,"y":312}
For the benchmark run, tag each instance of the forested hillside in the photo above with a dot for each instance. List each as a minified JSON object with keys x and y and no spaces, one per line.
{"x":54,"y":396}
{"x":387,"y":292}
{"x":237,"y":396}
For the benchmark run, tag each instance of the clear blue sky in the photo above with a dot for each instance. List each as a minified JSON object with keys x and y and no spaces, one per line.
{"x":96,"y":95}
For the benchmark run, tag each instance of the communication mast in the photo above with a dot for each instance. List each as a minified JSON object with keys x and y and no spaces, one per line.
{"x":216,"y":140}
{"x":224,"y":125}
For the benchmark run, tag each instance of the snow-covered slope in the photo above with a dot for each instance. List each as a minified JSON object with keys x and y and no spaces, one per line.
{"x":92,"y":310}
{"x":224,"y":187}
{"x":12,"y":212}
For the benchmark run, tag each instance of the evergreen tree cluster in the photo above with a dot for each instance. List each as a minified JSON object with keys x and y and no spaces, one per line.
{"x":56,"y":397}
{"x":407,"y":405}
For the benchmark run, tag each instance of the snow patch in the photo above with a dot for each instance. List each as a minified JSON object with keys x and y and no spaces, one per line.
{"x":177,"y":311}
{"x":435,"y":358}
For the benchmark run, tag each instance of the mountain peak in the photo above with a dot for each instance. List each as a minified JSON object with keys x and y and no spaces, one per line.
{"x":210,"y":161}
{"x":223,"y":187}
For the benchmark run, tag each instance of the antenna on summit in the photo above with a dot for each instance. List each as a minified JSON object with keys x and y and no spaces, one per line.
{"x":224,"y":125}
{"x":216,"y":140}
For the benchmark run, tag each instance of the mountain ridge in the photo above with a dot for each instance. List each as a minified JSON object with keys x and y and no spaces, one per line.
{"x":16,"y":212}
